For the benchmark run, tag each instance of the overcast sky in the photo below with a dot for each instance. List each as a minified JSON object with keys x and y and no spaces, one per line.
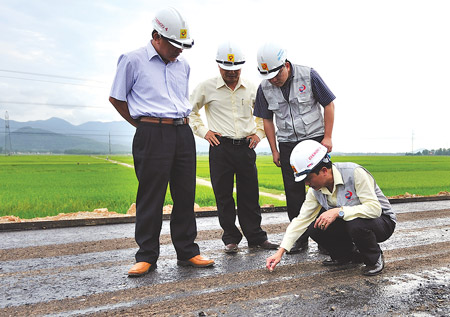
{"x":387,"y":61}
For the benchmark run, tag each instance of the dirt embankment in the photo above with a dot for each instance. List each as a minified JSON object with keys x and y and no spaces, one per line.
{"x":105,"y":213}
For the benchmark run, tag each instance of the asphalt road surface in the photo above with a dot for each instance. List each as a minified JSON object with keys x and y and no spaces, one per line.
{"x":82,"y":271}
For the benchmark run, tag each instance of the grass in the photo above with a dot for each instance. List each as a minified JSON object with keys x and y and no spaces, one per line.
{"x":39,"y":186}
{"x":36,"y":186}
{"x":396,"y":175}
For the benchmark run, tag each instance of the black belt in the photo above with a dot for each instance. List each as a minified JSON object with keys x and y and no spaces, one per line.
{"x":243,"y":141}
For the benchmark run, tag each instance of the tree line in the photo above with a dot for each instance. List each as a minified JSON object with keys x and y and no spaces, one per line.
{"x":439,"y":151}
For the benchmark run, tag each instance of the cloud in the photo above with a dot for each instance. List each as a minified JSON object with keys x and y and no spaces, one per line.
{"x":386,"y":61}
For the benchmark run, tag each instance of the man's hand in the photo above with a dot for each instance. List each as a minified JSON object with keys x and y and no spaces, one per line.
{"x":326,"y":219}
{"x":276,"y":158}
{"x":273,"y":260}
{"x":326,"y":142}
{"x":254,"y":140}
{"x":211,"y":138}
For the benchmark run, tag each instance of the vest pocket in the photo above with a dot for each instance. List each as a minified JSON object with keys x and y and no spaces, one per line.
{"x":303,"y":104}
{"x":280,"y":109}
{"x":312,"y":121}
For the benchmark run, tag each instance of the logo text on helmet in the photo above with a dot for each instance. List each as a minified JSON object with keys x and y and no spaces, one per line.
{"x":314,"y":154}
{"x":161,"y":24}
{"x":183,"y":33}
{"x":264,"y":66}
{"x":230,"y":57}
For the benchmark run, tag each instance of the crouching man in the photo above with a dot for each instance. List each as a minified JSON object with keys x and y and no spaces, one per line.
{"x":345,"y":211}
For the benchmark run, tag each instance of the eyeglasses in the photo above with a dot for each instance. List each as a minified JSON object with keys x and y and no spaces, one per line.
{"x":228,"y":63}
{"x":183,"y":45}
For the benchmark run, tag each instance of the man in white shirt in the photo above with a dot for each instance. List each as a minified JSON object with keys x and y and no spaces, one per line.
{"x":345,"y":211}
{"x":233,"y":133}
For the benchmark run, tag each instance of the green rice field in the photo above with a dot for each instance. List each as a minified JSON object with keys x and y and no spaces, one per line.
{"x":37,"y":186}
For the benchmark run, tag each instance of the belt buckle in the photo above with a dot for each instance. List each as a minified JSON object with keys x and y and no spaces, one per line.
{"x":237,"y":142}
{"x":178,"y":121}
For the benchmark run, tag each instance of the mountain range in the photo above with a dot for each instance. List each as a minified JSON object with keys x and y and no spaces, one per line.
{"x":56,"y":135}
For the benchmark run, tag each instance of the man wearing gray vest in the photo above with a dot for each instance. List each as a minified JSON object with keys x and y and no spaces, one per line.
{"x":295,"y":95}
{"x":345,"y":210}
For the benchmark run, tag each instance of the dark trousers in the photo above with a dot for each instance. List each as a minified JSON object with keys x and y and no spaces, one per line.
{"x":341,"y":236}
{"x":165,"y":154}
{"x":295,"y":191}
{"x":225,"y":161}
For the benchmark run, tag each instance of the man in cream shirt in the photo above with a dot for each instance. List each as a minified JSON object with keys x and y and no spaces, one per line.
{"x":233,"y":133}
{"x":345,"y":210}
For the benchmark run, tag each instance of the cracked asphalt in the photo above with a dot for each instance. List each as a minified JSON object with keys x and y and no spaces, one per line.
{"x":82,"y":271}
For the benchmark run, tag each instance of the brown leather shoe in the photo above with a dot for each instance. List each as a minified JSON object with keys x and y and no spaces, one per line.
{"x":231,"y":248}
{"x":196,"y":261}
{"x":141,"y":268}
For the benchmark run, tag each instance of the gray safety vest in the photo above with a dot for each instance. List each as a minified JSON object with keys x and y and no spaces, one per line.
{"x":346,"y":193}
{"x":300,"y":117}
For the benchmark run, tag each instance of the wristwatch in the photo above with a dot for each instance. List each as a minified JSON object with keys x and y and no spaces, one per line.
{"x":341,"y":213}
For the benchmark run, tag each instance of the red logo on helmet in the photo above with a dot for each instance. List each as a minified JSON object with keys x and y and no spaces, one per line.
{"x":314,"y":154}
{"x":161,"y":24}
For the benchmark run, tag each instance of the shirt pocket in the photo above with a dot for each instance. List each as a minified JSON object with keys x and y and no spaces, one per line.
{"x":245,"y":108}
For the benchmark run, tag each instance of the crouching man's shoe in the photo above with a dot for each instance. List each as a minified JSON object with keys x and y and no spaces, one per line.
{"x":298,"y":247}
{"x":336,"y":262}
{"x":267,"y":245}
{"x":370,"y":270}
{"x":141,"y":268}
{"x":196,"y":261}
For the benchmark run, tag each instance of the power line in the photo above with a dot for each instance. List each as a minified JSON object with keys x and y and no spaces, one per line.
{"x":7,"y":135}
{"x":53,"y":82}
{"x":49,"y":75}
{"x":50,"y":104}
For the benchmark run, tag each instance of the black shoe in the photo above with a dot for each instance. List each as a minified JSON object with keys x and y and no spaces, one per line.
{"x":231,"y":248}
{"x":371,"y":270}
{"x":337,"y":262}
{"x":299,"y":246}
{"x":267,"y":245}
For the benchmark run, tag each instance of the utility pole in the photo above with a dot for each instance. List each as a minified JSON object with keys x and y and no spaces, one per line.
{"x":7,"y":135}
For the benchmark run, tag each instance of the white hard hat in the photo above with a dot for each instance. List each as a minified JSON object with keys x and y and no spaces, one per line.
{"x":170,"y":25}
{"x":229,"y":56}
{"x":271,"y":57}
{"x":305,"y":156}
